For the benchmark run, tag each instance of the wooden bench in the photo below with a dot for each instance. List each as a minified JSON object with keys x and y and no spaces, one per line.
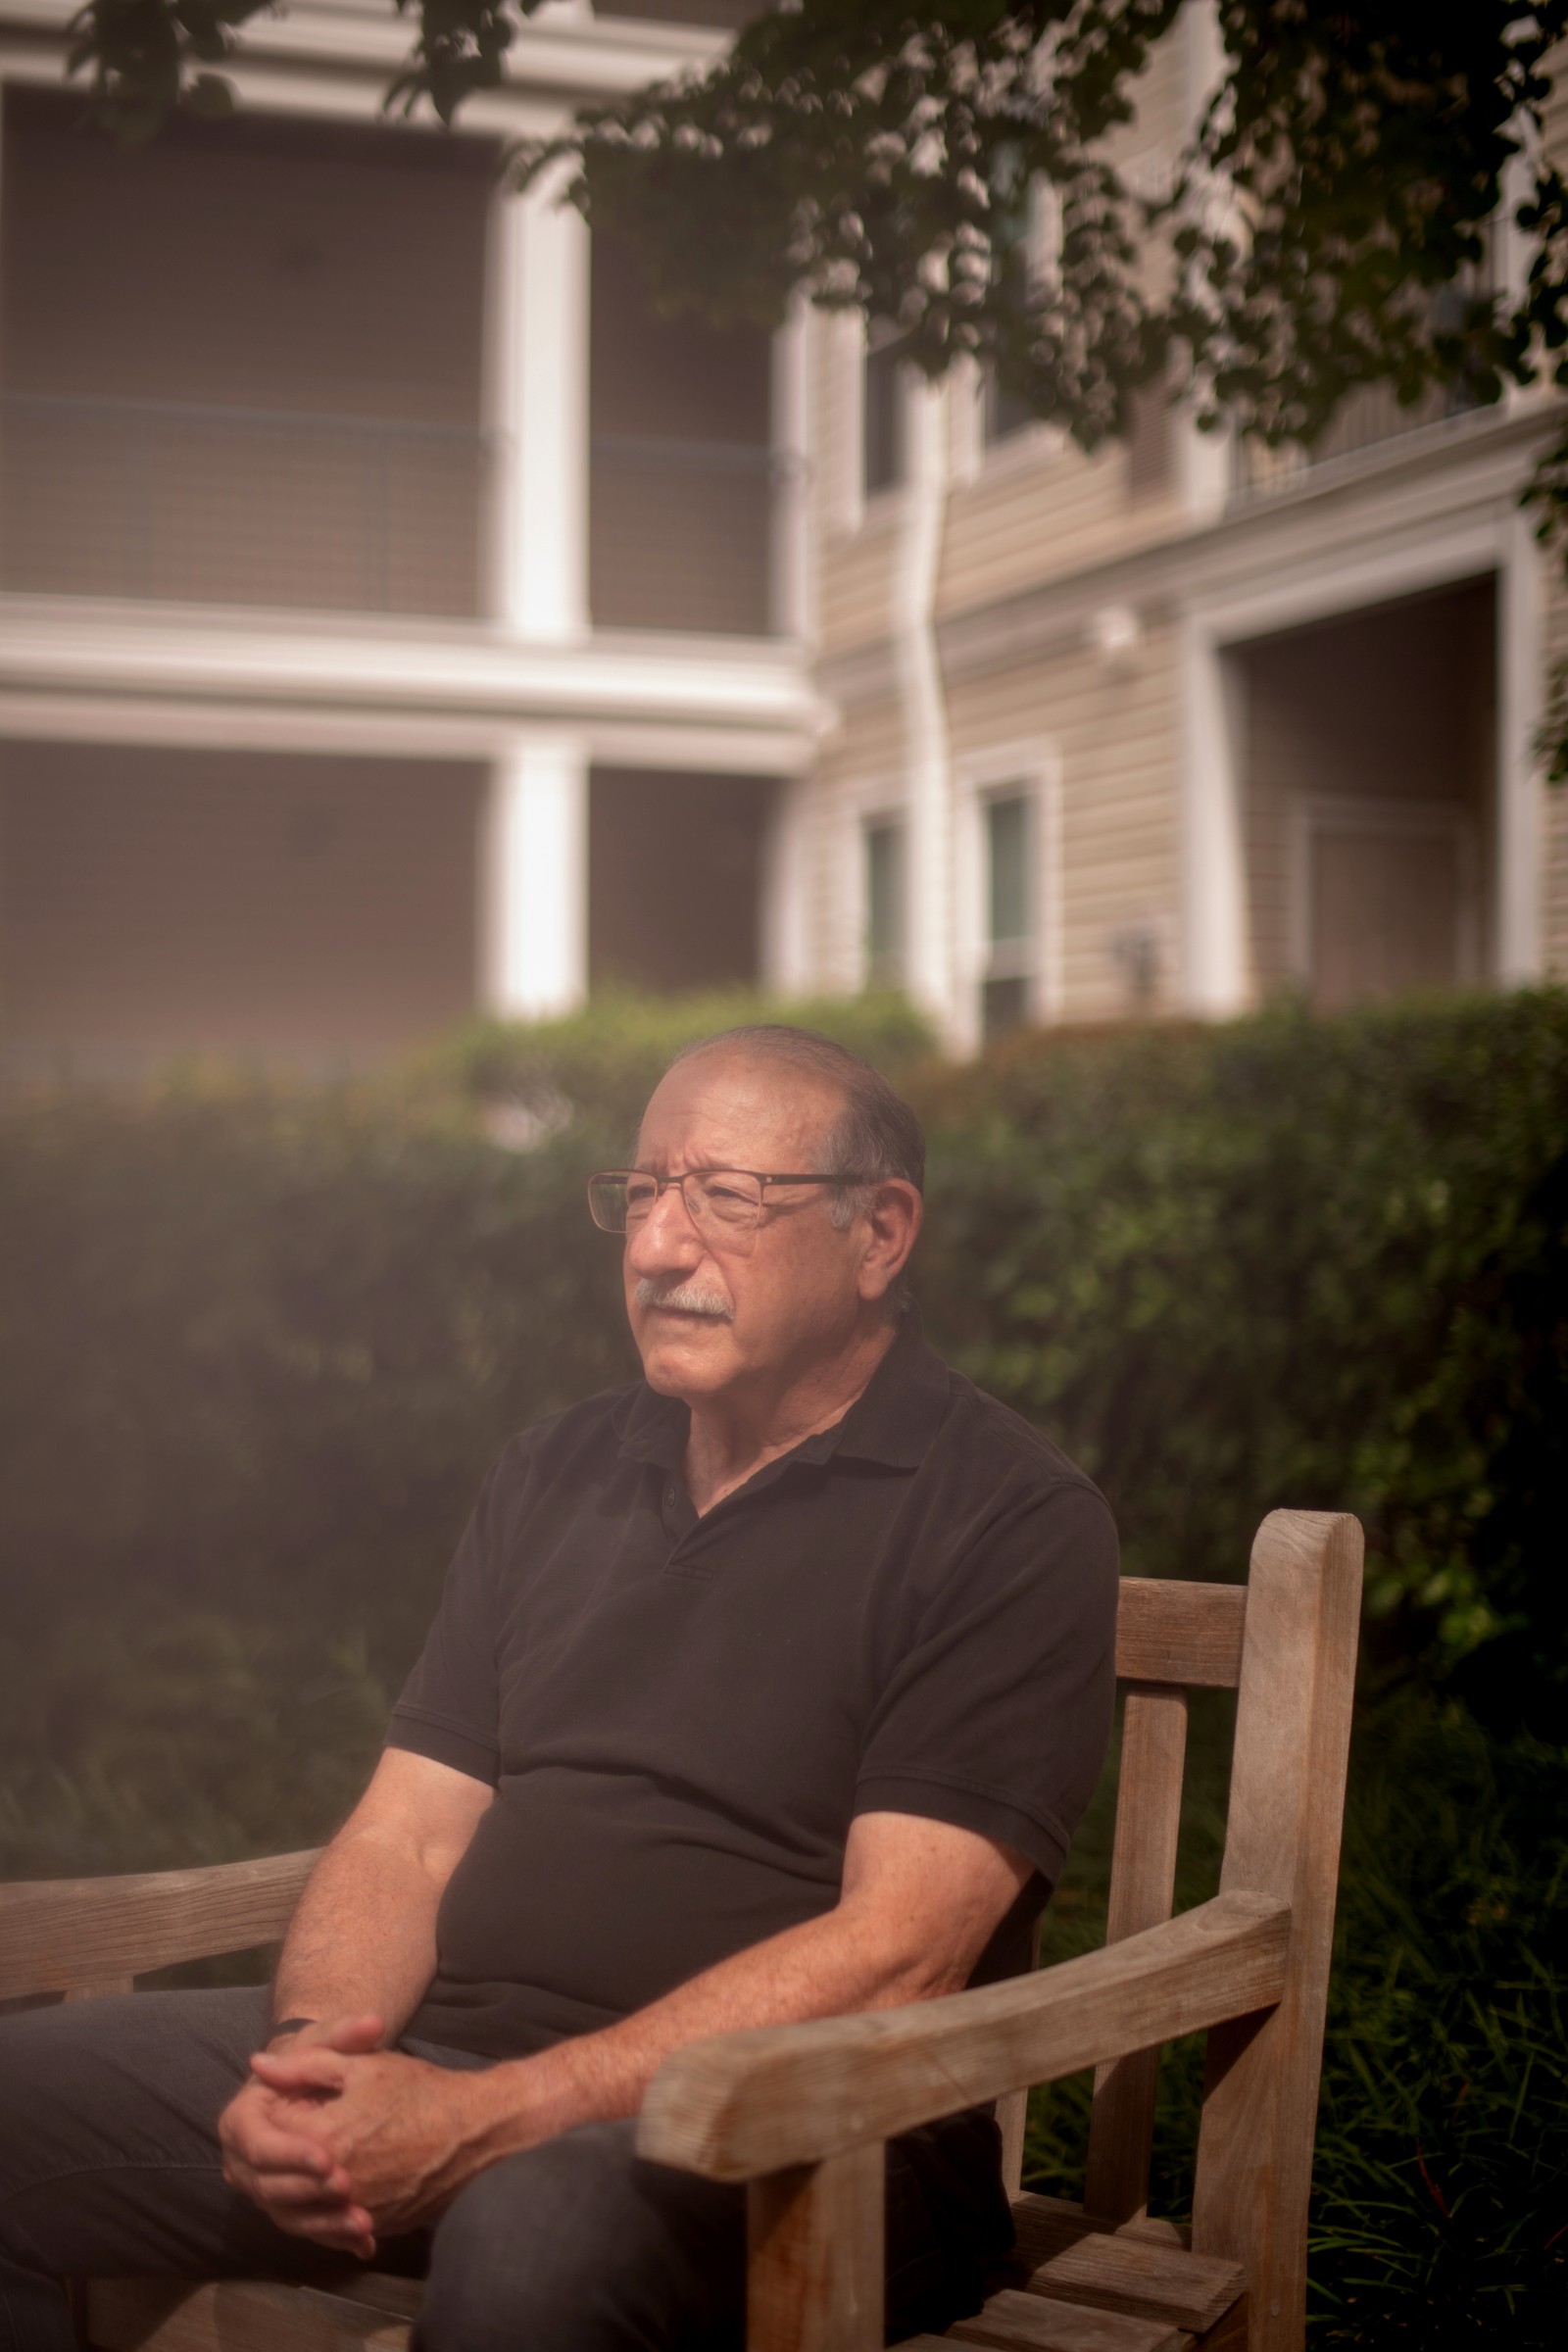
{"x":801,"y":2113}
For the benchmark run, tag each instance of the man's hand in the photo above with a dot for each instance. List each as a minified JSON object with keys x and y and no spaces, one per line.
{"x":273,"y":2151}
{"x":395,"y":2138}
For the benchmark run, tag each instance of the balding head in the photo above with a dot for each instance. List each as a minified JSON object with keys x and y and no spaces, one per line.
{"x":874,"y":1135}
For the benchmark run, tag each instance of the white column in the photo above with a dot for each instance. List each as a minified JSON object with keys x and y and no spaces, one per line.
{"x":792,"y":599}
{"x":534,"y":883}
{"x":1521,"y":660}
{"x":922,"y":701}
{"x":537,"y":399}
{"x":1214,"y":957}
{"x":786,"y":947}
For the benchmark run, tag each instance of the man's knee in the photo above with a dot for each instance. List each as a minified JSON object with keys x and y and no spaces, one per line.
{"x":107,"y":2125}
{"x":580,"y":2246}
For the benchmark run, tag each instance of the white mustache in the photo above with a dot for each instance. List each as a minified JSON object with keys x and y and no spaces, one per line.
{"x":686,"y":1298}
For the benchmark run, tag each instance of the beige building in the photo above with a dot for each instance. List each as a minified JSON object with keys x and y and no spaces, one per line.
{"x":397,"y":619}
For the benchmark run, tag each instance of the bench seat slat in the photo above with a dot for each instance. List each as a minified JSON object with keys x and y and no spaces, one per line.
{"x":1018,"y":2322}
{"x":233,"y":2314}
{"x":1059,"y":2253}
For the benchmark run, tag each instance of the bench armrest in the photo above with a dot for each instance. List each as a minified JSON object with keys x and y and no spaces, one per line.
{"x":70,"y":1935}
{"x":745,"y":2104}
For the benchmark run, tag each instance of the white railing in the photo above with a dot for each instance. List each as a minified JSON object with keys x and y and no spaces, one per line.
{"x":681,"y":533}
{"x":193,"y":502}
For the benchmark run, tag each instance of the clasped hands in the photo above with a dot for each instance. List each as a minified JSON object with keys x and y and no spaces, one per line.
{"x":342,"y":2142}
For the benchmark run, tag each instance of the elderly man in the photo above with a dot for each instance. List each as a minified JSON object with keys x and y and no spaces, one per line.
{"x":770,"y":1688}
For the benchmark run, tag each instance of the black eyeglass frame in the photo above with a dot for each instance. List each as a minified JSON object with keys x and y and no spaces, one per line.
{"x":663,"y":1183}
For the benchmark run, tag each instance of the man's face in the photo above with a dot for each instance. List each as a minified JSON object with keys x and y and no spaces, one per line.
{"x":709,"y":1317}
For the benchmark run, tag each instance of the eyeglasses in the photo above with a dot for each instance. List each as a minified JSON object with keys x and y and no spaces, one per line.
{"x":725,"y":1205}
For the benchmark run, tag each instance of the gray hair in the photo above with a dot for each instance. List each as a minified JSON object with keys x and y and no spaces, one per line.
{"x":875,"y":1136}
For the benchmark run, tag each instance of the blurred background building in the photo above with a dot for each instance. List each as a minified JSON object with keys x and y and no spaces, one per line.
{"x":397,"y":619}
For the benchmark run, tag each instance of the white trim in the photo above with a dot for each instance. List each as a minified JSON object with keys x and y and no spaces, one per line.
{"x":1215,"y":980}
{"x":533,"y":882}
{"x":386,"y":735}
{"x":90,"y":647}
{"x":1032,"y":768}
{"x":1334,"y":581}
{"x":1521,"y":782}
{"x":791,"y":598}
{"x":922,"y":703}
{"x":1313,"y":813}
{"x":560,"y":49}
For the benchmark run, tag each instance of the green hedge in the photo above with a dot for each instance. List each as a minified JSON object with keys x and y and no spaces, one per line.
{"x":1291,"y":1261}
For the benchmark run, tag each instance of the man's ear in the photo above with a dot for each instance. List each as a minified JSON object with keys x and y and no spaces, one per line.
{"x":892,"y":1219}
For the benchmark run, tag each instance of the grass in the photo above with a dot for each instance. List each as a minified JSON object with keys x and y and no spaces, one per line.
{"x":1440,"y":2213}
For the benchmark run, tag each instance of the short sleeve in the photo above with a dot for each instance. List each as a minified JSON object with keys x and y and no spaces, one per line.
{"x":450,"y":1705}
{"x":998,"y":1715}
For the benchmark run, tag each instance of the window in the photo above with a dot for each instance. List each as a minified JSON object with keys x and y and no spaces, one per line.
{"x":884,"y":904}
{"x":1151,"y":442}
{"x":883,"y":456}
{"x":1005,"y":982}
{"x":1004,"y":411}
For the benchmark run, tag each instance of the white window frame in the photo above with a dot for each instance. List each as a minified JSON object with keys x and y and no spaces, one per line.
{"x":1030,"y":771}
{"x":870,"y":821}
{"x":887,"y":497}
{"x":873,"y":797}
{"x":973,"y":457}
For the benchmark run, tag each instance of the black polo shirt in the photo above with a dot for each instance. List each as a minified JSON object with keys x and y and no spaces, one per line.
{"x":912,"y":1612}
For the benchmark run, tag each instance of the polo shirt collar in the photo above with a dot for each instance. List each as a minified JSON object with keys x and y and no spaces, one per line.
{"x":893,"y":1421}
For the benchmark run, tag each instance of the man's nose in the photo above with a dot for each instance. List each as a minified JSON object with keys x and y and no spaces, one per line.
{"x":666,"y":1237}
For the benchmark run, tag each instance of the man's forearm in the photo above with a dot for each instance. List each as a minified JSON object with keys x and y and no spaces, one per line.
{"x":363,"y":1940}
{"x":827,"y":1967}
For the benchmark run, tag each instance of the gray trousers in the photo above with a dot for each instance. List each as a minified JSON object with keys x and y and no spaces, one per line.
{"x":110,"y":2165}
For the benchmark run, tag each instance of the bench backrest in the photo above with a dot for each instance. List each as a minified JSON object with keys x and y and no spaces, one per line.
{"x":1286,"y":1642}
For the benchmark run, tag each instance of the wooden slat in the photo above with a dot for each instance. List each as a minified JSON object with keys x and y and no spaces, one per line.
{"x":754,"y":2102}
{"x":1012,"y":2109}
{"x":232,"y":2315}
{"x":1293,"y":1729}
{"x":1029,"y":2322}
{"x":1183,"y":1633}
{"x":100,"y":1989}
{"x":59,"y":1933}
{"x":815,"y":2256}
{"x":1143,"y":1884}
{"x":1232,"y":2334}
{"x":1060,"y":2252}
{"x":383,"y":2290}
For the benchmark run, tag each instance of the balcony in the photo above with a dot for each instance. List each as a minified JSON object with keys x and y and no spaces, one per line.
{"x":681,"y":532}
{"x":183,"y":501}
{"x":180,"y":501}
{"x":1370,"y":419}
